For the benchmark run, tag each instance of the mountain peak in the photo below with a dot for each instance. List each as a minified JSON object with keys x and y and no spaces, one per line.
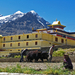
{"x":19,"y":23}
{"x":18,"y":12}
{"x":9,"y":18}
{"x":33,"y":12}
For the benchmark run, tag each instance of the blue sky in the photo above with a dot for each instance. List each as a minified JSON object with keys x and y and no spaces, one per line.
{"x":63,"y":10}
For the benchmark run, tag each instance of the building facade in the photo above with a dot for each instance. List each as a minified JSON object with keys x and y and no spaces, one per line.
{"x":38,"y":39}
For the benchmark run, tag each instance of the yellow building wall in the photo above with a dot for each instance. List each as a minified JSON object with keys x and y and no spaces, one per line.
{"x":14,"y":50}
{"x":39,"y":35}
{"x":70,"y":42}
{"x":58,"y":42}
{"x":50,"y":37}
{"x":22,"y":44}
{"x":42,"y":40}
{"x":4,"y":53}
{"x":0,"y":43}
{"x":45,"y":44}
{"x":45,"y":36}
{"x":23,"y":37}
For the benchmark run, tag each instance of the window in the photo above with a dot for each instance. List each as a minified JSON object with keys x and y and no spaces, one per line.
{"x":62,"y":41}
{"x":27,"y":36}
{"x":19,"y":37}
{"x":11,"y":38}
{"x":26,"y":43}
{"x":4,"y":38}
{"x":35,"y":43}
{"x":10,"y":44}
{"x":56,"y":39}
{"x":18,"y":44}
{"x":36,"y":35}
{"x":3,"y":45}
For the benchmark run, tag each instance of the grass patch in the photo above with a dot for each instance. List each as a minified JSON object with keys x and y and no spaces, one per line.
{"x":61,"y":52}
{"x":58,"y":53}
{"x":26,"y":70}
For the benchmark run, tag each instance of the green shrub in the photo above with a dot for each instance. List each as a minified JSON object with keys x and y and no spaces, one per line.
{"x":58,"y":53}
{"x":17,"y":56}
{"x":3,"y":57}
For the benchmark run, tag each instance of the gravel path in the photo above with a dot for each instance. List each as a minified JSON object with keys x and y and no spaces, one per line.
{"x":42,"y":65}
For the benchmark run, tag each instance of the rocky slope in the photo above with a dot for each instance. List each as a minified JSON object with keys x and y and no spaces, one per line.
{"x":23,"y":24}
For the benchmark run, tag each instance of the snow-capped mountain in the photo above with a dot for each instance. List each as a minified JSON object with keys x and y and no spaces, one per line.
{"x":20,"y":23}
{"x":40,"y":19}
{"x":9,"y":18}
{"x":18,"y":14}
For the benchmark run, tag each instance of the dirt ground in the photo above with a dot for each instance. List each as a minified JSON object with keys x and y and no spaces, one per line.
{"x":42,"y":65}
{"x":56,"y":61}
